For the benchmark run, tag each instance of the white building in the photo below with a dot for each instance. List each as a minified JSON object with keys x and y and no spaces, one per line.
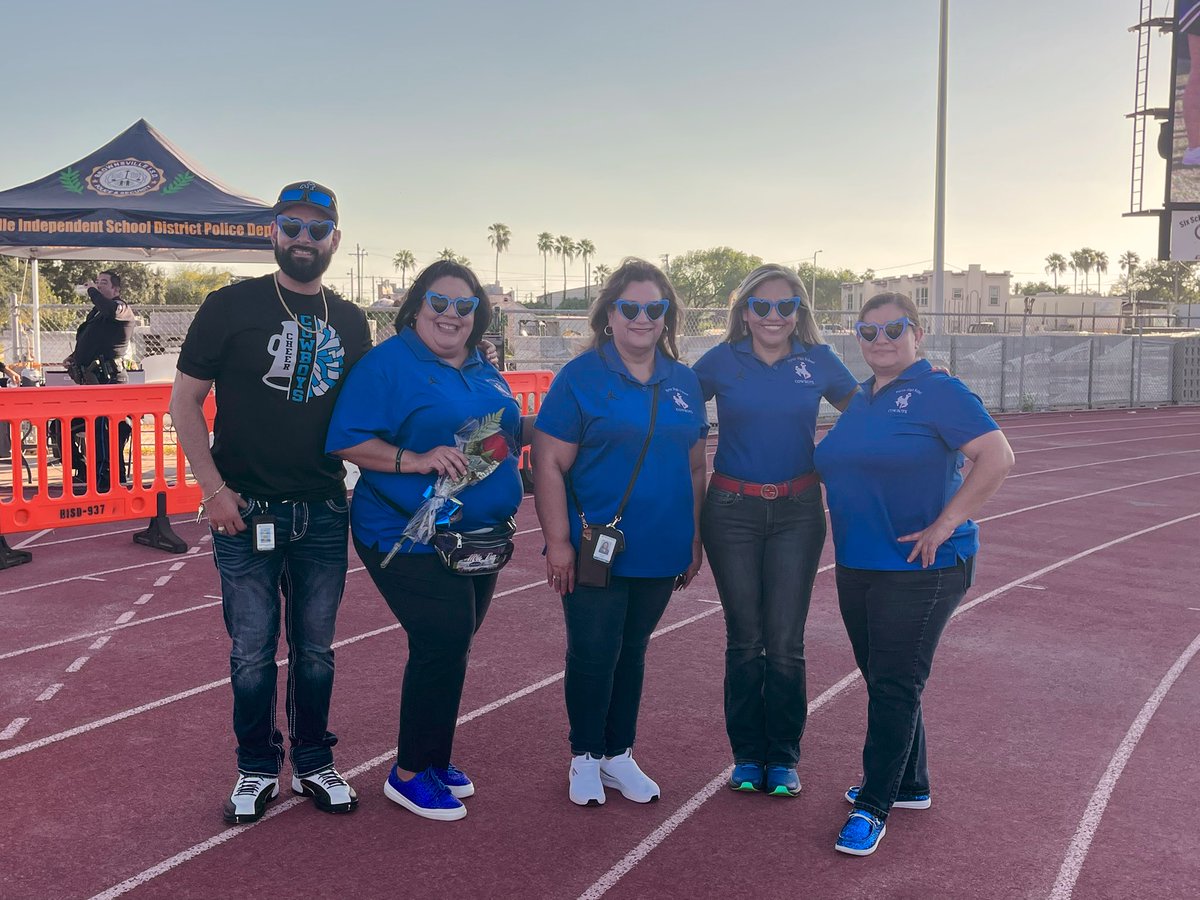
{"x":970,"y":297}
{"x":1048,"y":311}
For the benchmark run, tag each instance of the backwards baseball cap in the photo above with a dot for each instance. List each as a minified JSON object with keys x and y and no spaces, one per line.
{"x":308,"y":193}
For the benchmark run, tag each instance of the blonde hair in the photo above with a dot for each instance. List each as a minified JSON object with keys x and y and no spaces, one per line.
{"x":806,"y":328}
{"x":633,"y":269}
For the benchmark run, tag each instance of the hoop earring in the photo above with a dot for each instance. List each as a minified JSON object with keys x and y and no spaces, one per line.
{"x":608,"y":330}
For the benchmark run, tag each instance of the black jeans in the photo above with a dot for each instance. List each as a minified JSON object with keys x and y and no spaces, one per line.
{"x":895,"y":620}
{"x":440,"y":612}
{"x":764,"y":556}
{"x":608,"y":630}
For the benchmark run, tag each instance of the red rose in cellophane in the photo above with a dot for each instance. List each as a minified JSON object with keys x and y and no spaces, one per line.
{"x":495,"y":446}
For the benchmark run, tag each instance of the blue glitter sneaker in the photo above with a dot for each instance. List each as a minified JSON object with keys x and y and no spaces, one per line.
{"x":425,"y":795}
{"x":782,"y":781}
{"x":746,"y":777}
{"x":861,"y":834}
{"x":904,"y":799}
{"x":456,"y":780}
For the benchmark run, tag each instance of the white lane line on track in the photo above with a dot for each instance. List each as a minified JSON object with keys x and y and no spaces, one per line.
{"x":1032,"y":587}
{"x":1143,"y":427}
{"x":145,"y":598}
{"x":1102,"y":463}
{"x":177,"y":566}
{"x":91,"y":575}
{"x":91,"y":537}
{"x":1158,"y":437}
{"x":1122,"y":487}
{"x":192,"y":551}
{"x":1093,"y":417}
{"x":1072,"y":863}
{"x":656,"y":837}
{"x":126,"y":616}
{"x":91,"y":634}
{"x":78,"y":664}
{"x":387,"y":756}
{"x":12,"y":728}
{"x":48,"y":693}
{"x":164,"y":579}
{"x":527,"y":531}
{"x":33,"y":537}
{"x":101,"y":641}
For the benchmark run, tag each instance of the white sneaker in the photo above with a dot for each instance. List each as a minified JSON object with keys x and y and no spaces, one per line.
{"x":586,"y":789}
{"x":250,"y":797}
{"x":622,"y":773}
{"x":330,"y":791}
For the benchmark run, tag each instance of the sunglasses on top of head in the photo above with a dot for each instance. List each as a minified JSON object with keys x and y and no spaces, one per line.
{"x":654,"y":309}
{"x":891,"y":330}
{"x":300,"y":195}
{"x":762,"y":308}
{"x":440,"y":304}
{"x":317,"y":230}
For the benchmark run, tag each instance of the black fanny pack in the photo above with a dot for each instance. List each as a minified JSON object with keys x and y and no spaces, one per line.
{"x":477,"y":552}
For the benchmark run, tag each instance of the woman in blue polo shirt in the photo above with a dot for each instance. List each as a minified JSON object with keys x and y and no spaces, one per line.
{"x":763,"y":520}
{"x":396,"y":419}
{"x":626,"y":397}
{"x":904,"y":542}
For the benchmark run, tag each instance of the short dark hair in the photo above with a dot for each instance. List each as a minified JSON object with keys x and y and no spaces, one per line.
{"x":893,"y":298}
{"x":633,"y":269}
{"x":444,"y":268}
{"x":113,"y":277}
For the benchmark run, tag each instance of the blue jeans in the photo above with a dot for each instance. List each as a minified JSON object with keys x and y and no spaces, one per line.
{"x":608,"y":630}
{"x":764,"y":556}
{"x":308,"y":565}
{"x":895,"y":620}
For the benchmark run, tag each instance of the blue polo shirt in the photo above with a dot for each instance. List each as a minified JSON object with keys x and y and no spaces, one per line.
{"x":768,"y":413}
{"x":892,"y":463}
{"x":405,"y":394}
{"x":596,"y":404}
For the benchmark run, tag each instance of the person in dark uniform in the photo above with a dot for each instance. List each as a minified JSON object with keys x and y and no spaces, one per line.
{"x":100,"y":344}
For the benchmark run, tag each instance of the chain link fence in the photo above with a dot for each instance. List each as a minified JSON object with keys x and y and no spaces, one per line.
{"x":1015,"y":363}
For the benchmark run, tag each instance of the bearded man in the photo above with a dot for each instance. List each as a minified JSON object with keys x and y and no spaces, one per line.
{"x":278,"y":349}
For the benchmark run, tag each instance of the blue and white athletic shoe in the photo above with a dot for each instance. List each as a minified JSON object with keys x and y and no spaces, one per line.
{"x":904,"y":799}
{"x":861,"y":834}
{"x":746,"y":777}
{"x":425,"y":795}
{"x":456,"y":780}
{"x":782,"y":781}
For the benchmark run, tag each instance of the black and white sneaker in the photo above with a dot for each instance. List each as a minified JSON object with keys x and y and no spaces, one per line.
{"x":250,"y":797}
{"x":329,"y":790}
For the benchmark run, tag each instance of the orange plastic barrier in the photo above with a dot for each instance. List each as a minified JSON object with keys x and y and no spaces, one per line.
{"x":37,"y":491}
{"x":529,"y":388}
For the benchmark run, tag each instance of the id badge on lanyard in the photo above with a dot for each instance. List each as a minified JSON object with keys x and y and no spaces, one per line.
{"x":264,"y":533}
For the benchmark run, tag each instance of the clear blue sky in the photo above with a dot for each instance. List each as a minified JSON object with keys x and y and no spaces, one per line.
{"x":778,"y":127}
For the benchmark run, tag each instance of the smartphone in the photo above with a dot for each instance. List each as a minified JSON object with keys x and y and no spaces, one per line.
{"x":81,"y":290}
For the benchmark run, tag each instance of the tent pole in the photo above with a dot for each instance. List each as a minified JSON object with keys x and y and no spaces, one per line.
{"x":37,"y":310}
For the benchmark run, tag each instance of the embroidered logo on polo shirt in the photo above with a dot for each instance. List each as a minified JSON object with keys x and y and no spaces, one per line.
{"x":680,"y":399}
{"x":902,"y":401}
{"x":802,"y":373}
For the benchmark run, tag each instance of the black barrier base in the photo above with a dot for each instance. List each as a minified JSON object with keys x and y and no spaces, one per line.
{"x":10,"y":557}
{"x":158,"y":533}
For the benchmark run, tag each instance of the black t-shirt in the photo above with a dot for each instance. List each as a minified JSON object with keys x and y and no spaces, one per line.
{"x":277,"y":379}
{"x":104,"y":334}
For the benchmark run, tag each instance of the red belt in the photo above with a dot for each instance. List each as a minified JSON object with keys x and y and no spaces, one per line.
{"x":766,"y":491}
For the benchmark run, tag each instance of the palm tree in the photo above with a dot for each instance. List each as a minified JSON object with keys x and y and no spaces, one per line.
{"x":1129,"y":261}
{"x":1087,"y":261}
{"x":1056,"y":264}
{"x":587,"y":250}
{"x":402,"y":262}
{"x":452,"y":256}
{"x":545,"y":245}
{"x":600,"y":274}
{"x":1100,"y":263}
{"x":499,"y":237}
{"x":1078,"y":258}
{"x":566,"y":248}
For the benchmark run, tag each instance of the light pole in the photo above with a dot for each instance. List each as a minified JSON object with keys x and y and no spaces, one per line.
{"x":939,"y":204}
{"x":813,"y":298}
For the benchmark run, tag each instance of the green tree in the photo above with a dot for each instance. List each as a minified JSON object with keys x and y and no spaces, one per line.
{"x":586,"y":250}
{"x":1029,"y":288}
{"x":1099,"y":260}
{"x":450,"y":255}
{"x":1079,"y":263}
{"x":707,"y":277}
{"x":499,"y":237}
{"x":141,"y":284}
{"x":600,"y":274}
{"x":1056,"y":264}
{"x":566,"y":248}
{"x":402,"y":262}
{"x":1161,"y":280}
{"x":1128,"y":261}
{"x":545,"y":245}
{"x":191,"y":284}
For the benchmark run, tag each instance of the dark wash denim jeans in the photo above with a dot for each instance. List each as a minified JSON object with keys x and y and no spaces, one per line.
{"x":608,"y":630}
{"x":309,"y":566}
{"x":441,"y":613}
{"x":895,"y":620}
{"x":764,"y":556}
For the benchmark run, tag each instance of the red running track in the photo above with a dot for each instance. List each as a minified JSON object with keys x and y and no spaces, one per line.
{"x":1063,"y":702}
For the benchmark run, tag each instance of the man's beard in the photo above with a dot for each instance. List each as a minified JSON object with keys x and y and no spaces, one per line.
{"x":303,"y":270}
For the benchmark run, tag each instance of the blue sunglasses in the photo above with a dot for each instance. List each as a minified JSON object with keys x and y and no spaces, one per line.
{"x":654,"y":309}
{"x":300,"y":195}
{"x":318,"y":231}
{"x":891,"y":330}
{"x":762,"y":308}
{"x":440,"y":303}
